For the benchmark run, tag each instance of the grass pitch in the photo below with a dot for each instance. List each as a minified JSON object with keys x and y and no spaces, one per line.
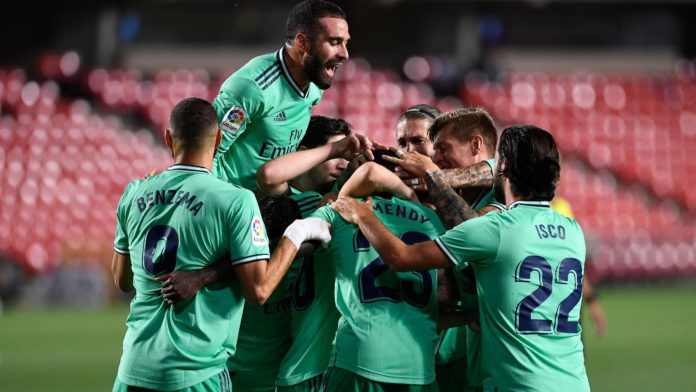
{"x":650,"y":345}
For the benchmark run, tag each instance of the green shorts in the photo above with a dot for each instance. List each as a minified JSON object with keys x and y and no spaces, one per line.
{"x":254,"y":380}
{"x":313,"y":384}
{"x":341,"y":380}
{"x":218,"y":383}
{"x":451,"y":377}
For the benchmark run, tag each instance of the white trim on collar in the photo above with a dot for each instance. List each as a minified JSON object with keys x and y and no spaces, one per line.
{"x":189,"y":168}
{"x":529,"y":203}
{"x":288,"y":76}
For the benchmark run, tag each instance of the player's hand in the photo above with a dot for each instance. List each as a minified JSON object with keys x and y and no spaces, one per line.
{"x":413,"y":162}
{"x":179,"y":285}
{"x":350,"y":146}
{"x":308,"y":229}
{"x":599,"y":319}
{"x":415,"y":183}
{"x":358,"y":160}
{"x":352,"y":210}
{"x":328,"y":199}
{"x":150,"y":173}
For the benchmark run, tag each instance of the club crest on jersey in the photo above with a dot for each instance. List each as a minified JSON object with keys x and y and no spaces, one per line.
{"x":258,"y":238}
{"x":233,"y":120}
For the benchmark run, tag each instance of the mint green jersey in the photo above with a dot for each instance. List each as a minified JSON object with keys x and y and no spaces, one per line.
{"x":387,"y":330}
{"x":263,"y":114}
{"x":529,"y":263}
{"x":183,"y":219}
{"x":264,"y":336}
{"x":314,"y":313}
{"x":461,"y":342}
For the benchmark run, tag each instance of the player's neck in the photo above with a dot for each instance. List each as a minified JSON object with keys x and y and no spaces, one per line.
{"x":293,"y":60}
{"x":510,"y":197}
{"x":302,"y":184}
{"x":194,"y":160}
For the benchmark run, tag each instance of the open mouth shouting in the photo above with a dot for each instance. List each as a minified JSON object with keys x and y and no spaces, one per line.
{"x":331,"y":67}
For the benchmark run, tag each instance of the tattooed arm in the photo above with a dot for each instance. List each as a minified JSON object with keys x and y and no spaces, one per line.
{"x":476,"y":175}
{"x":450,"y":207}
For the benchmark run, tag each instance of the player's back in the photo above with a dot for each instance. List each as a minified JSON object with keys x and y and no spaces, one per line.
{"x":183,"y":219}
{"x":530,"y":301}
{"x":387,"y":329}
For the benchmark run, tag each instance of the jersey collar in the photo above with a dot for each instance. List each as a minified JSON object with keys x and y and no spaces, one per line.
{"x":529,"y":203}
{"x":189,"y":168}
{"x":288,"y":76}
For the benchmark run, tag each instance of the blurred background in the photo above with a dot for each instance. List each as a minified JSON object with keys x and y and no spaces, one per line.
{"x":86,"y":90}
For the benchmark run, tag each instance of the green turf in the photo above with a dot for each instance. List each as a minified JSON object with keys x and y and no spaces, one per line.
{"x":60,"y":350}
{"x":650,"y":345}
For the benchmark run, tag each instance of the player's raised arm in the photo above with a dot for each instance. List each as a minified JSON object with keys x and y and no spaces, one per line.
{"x":373,"y":177}
{"x":273,"y":176}
{"x":394,"y":252}
{"x":478,"y":175}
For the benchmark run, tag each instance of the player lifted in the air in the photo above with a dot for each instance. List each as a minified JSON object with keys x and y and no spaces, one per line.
{"x":264,"y":107}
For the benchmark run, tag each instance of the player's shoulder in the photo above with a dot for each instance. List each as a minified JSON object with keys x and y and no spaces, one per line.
{"x":133,"y":187}
{"x":259,"y":72}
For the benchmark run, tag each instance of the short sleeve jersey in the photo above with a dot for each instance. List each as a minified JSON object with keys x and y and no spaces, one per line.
{"x":183,"y":219}
{"x":264,"y":337}
{"x":387,"y":330}
{"x":314,"y":314}
{"x":529,"y":263}
{"x":263,"y":114}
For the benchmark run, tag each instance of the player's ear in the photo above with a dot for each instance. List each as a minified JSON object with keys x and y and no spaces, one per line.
{"x":218,"y":138}
{"x":302,"y":41}
{"x":476,"y":144}
{"x":168,"y":138}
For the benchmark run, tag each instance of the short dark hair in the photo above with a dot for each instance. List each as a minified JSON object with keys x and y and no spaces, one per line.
{"x":379,"y":155}
{"x":192,"y":121}
{"x":532,"y":161}
{"x":304,"y":17}
{"x":422,"y":111}
{"x":469,"y":122}
{"x":278,"y":212}
{"x":321,"y":128}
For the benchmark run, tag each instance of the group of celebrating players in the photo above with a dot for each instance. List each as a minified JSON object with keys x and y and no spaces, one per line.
{"x":437,"y":265}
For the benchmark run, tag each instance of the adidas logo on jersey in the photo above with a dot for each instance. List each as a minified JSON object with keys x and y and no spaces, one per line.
{"x":280,"y":117}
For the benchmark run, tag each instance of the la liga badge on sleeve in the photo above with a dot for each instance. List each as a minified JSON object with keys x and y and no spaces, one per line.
{"x":258,"y":238}
{"x":233,"y":120}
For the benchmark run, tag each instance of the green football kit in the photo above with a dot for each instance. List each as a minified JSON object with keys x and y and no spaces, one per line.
{"x":263,"y":114}
{"x":183,"y":219}
{"x":529,"y":263}
{"x":461,"y":345}
{"x":314,"y":313}
{"x":387,"y":329}
{"x":264,"y":336}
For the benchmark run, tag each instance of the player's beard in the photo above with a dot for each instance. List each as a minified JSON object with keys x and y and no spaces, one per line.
{"x":314,"y":67}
